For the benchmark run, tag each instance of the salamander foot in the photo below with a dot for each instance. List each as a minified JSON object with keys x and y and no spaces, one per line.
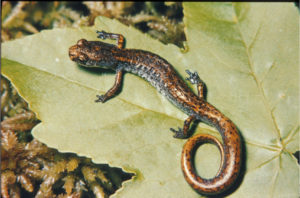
{"x":193,"y":77}
{"x":100,"y":98}
{"x":178,"y":134}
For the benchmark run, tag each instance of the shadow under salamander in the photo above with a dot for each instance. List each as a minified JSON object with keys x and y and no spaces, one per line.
{"x":98,"y":71}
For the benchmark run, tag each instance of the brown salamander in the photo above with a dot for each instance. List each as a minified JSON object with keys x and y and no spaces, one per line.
{"x":163,"y":77}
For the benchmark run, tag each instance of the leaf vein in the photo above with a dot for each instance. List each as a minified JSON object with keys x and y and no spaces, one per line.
{"x":258,"y":84}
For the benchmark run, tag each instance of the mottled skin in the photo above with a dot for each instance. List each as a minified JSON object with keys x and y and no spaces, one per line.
{"x":162,"y":76}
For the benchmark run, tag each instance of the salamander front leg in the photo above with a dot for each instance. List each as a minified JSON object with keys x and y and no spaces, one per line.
{"x":111,"y":92}
{"x":195,"y":79}
{"x":119,"y":37}
{"x":183,"y":133}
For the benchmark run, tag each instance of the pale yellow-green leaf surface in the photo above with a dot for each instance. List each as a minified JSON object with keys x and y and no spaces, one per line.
{"x":246,"y":53}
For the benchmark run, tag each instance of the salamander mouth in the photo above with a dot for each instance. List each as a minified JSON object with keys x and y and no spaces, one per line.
{"x":73,"y":52}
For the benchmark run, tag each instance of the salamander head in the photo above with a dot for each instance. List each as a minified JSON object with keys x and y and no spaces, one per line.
{"x":93,"y":54}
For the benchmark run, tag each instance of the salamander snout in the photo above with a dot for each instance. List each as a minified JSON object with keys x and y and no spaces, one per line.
{"x":73,"y":52}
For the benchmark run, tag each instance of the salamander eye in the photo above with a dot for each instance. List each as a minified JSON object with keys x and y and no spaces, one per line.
{"x":82,"y":57}
{"x":82,"y":42}
{"x":96,"y":48}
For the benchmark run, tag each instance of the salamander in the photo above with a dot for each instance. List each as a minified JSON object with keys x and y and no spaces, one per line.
{"x":162,"y":75}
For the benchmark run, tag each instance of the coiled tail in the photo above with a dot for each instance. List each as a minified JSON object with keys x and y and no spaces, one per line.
{"x":230,"y":159}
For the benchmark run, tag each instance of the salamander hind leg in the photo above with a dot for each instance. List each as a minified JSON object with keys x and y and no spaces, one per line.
{"x":183,"y":133}
{"x":195,"y":79}
{"x":119,"y":37}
